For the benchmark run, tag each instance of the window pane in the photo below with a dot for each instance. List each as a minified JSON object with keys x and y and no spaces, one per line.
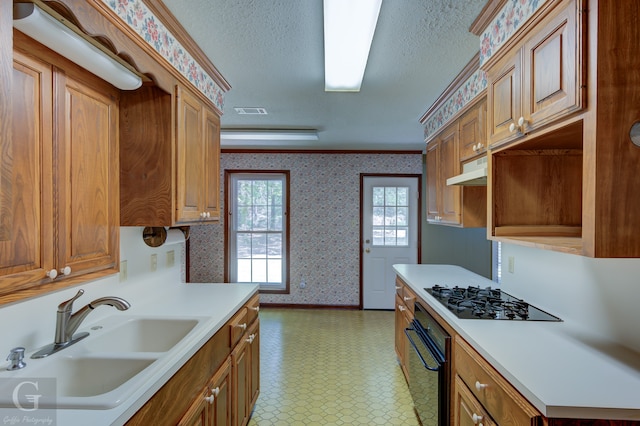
{"x":402,"y":214}
{"x":274,"y":270}
{"x":260,"y":192}
{"x":275,"y":192}
{"x":403,"y":196}
{"x":259,"y":245}
{"x":390,"y":196}
{"x":389,"y":237}
{"x":378,"y":216}
{"x":244,"y":270}
{"x":244,"y":193}
{"x":403,"y":236}
{"x":378,"y":196}
{"x":378,"y":236}
{"x":243,"y":246}
{"x":390,"y":216}
{"x":259,"y":270}
{"x":244,"y":218}
{"x":275,"y":218}
{"x":260,"y":218}
{"x":274,"y":245}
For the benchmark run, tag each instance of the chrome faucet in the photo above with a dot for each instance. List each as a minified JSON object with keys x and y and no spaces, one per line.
{"x":67,"y":323}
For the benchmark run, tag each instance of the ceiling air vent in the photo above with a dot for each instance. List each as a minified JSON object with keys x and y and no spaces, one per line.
{"x":250,"y":111}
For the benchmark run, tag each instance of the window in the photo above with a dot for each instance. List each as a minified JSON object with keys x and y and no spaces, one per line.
{"x":258,"y":229}
{"x":390,"y":216}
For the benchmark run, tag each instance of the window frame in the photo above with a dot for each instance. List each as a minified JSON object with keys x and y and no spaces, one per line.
{"x":229,"y":232}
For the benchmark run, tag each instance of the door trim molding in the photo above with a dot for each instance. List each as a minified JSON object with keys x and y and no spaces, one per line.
{"x":419,"y":245}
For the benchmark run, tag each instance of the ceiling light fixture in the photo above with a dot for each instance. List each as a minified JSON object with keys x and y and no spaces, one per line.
{"x":348,"y":32}
{"x":268,"y":135}
{"x":41,"y":26}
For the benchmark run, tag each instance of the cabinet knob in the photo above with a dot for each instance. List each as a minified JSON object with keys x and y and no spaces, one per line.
{"x":474,"y":148}
{"x":476,"y":418}
{"x":480,"y":386}
{"x":216,"y":391}
{"x":242,"y":326}
{"x":256,"y":308}
{"x":250,"y":338}
{"x":66,"y":270}
{"x":401,"y":308}
{"x":406,"y":299}
{"x":210,"y":399}
{"x":52,"y":274}
{"x":208,"y":215}
{"x":512,"y":127}
{"x":521,"y":122}
{"x":398,"y":287}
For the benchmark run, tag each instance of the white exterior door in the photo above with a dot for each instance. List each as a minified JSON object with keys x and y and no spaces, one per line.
{"x":389,"y":235}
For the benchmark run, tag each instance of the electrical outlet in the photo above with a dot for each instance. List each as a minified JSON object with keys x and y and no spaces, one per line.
{"x":123,"y":271}
{"x":511,"y":264}
{"x":171,"y":258}
{"x":154,"y":262}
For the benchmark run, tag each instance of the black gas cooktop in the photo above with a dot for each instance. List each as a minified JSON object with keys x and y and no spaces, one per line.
{"x":487,"y":303}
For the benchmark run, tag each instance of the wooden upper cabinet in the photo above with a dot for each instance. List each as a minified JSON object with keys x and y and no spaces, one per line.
{"x":198,"y":146}
{"x":61,"y":222}
{"x":540,"y":80}
{"x":169,"y":157}
{"x":473,"y":131}
{"x":443,"y":202}
{"x":87,"y":172}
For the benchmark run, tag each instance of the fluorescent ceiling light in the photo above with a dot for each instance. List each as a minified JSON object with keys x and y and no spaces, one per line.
{"x":41,"y":26}
{"x":348,"y":31}
{"x":268,"y":135}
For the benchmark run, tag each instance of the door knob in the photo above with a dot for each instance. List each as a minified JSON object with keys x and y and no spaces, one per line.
{"x":367,"y":250}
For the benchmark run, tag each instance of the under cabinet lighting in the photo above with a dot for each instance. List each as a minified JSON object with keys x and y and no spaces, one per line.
{"x":268,"y":135}
{"x":348,"y":31}
{"x":41,"y":26}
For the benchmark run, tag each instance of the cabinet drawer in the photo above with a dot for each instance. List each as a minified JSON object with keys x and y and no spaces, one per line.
{"x":399,"y":287}
{"x":238,"y":325}
{"x":504,"y":404}
{"x":253,"y":307}
{"x":409,"y":299}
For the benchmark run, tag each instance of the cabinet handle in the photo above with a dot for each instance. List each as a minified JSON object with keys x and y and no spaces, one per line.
{"x":398,"y":287}
{"x":480,"y":386}
{"x":401,"y":308}
{"x":512,"y":127}
{"x":66,"y":270}
{"x":210,"y":399}
{"x":242,"y":326}
{"x":256,"y":308}
{"x":519,"y":127}
{"x":208,"y":214}
{"x":52,"y":274}
{"x":476,"y":418}
{"x":216,"y":391}
{"x":406,"y":299}
{"x":250,"y":338}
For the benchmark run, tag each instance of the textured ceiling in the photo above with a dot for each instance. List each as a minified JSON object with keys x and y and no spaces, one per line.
{"x":271,"y":52}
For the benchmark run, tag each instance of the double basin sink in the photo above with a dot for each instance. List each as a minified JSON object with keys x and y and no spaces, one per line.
{"x":119,"y":356}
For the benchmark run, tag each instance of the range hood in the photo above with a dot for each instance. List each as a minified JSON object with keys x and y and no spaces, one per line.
{"x":474,"y":173}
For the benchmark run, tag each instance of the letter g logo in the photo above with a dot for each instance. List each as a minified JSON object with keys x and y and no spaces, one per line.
{"x":31,"y":398}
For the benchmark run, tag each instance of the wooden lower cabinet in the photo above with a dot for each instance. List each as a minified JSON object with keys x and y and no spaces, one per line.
{"x":218,"y":386}
{"x":245,"y":373}
{"x":405,"y":304}
{"x":213,"y":405}
{"x":467,"y":409}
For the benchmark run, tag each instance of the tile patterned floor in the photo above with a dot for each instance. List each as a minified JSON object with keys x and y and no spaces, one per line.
{"x":330,"y":367}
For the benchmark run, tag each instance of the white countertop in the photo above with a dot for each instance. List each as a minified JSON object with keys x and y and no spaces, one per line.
{"x":563,"y":370}
{"x":215,"y":302}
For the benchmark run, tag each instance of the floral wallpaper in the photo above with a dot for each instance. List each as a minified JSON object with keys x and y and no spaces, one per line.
{"x":324,"y":222}
{"x":138,"y":16}
{"x":505,"y":24}
{"x":467,"y":92}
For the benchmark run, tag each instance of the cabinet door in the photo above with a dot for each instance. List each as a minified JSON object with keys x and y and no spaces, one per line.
{"x":254,"y":351}
{"x":220,"y":386}
{"x":552,"y":69}
{"x":26,"y":184}
{"x":433,"y":171}
{"x":473,"y":131}
{"x":504,"y":97}
{"x":467,"y":409}
{"x":190,"y":176}
{"x":240,"y":371}
{"x":449,"y":167}
{"x":198,"y":412}
{"x":87,"y":173}
{"x":211,"y":165}
{"x":399,"y":335}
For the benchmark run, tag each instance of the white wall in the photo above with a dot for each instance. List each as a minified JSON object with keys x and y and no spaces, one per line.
{"x":31,"y":323}
{"x":601,"y":295}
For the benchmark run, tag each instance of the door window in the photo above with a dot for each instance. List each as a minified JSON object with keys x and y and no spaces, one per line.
{"x":390,"y":216}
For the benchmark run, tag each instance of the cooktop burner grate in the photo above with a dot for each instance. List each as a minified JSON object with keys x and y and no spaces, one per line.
{"x":487,"y":303}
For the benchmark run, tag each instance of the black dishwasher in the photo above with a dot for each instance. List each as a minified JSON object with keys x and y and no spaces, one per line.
{"x":429,"y":368}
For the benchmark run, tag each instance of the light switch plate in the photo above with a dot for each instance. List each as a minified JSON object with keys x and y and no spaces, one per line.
{"x":123,"y":271}
{"x":154,"y":262}
{"x":171,"y":258}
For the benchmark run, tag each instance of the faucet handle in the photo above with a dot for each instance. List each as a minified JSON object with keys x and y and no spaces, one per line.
{"x":67,"y":305}
{"x":16,"y":357}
